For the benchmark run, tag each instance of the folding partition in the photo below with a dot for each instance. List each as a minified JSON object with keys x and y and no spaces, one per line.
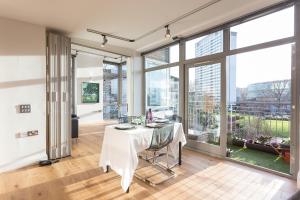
{"x":58,"y":96}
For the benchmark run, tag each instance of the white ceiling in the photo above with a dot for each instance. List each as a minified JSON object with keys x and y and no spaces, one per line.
{"x":126,"y":18}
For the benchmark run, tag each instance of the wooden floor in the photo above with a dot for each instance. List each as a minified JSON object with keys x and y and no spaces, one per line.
{"x":80,"y":178}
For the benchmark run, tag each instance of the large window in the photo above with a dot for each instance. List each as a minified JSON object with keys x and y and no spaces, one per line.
{"x":274,"y":26}
{"x":237,"y":101}
{"x":259,"y":113}
{"x":162,"y":57}
{"x":205,"y":45}
{"x":162,"y":92}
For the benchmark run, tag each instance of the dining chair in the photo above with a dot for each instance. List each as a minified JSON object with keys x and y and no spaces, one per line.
{"x":161,"y":138}
{"x":176,"y":118}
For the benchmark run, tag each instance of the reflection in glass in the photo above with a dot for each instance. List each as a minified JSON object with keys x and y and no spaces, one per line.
{"x":162,"y":92}
{"x":162,"y":56}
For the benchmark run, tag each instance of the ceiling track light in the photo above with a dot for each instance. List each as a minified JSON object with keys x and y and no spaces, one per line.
{"x":104,"y":41}
{"x":109,"y":35}
{"x":168,"y":32}
{"x":166,"y":25}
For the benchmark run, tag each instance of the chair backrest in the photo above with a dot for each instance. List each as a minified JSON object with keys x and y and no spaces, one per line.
{"x":162,"y":137}
{"x":176,"y":118}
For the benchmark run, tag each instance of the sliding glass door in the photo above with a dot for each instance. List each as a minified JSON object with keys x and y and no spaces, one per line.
{"x":259,"y":110}
{"x":205,"y":112}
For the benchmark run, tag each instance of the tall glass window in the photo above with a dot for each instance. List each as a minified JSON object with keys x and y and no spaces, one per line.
{"x":204,"y":100}
{"x":259,"y":107}
{"x":162,"y":92}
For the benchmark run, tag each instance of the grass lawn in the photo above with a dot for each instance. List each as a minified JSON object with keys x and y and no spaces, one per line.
{"x":283,"y":127}
{"x":259,"y":158}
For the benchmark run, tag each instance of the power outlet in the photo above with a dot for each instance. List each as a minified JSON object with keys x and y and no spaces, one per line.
{"x":27,"y":134}
{"x":32,"y":133}
{"x":25,"y":108}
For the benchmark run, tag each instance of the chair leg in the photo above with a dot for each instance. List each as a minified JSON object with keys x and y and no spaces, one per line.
{"x":168,"y":156}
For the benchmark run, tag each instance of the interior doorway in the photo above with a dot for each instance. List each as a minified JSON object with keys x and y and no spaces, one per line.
{"x":99,"y":85}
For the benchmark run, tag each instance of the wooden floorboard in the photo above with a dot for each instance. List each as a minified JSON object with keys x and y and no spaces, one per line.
{"x":79,"y":178}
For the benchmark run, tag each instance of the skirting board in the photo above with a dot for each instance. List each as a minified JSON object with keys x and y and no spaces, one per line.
{"x":23,"y":162}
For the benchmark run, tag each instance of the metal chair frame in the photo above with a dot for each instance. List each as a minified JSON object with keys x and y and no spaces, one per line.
{"x":153,"y":160}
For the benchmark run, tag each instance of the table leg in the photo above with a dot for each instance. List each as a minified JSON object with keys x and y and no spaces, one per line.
{"x":179,"y":157}
{"x":107,"y":168}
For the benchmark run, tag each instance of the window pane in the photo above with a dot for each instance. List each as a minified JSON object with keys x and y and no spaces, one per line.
{"x":259,"y":107}
{"x":264,"y":29}
{"x":205,"y":45}
{"x":124,"y":84}
{"x":204,"y":97}
{"x":124,"y":91}
{"x":162,"y":57}
{"x":162,"y":92}
{"x":110,"y":91}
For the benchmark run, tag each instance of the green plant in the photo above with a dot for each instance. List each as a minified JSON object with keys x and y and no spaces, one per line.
{"x":263,"y":139}
{"x":286,"y":141}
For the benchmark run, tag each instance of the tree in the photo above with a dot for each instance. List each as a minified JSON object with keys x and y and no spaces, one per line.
{"x":278,"y":91}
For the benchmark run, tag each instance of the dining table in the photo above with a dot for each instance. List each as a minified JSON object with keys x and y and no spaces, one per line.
{"x":120,"y":149}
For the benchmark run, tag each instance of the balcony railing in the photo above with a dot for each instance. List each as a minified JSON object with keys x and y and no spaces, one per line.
{"x":250,"y":120}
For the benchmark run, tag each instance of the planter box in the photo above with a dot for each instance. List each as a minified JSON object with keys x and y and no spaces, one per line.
{"x":261,"y":147}
{"x":256,"y":146}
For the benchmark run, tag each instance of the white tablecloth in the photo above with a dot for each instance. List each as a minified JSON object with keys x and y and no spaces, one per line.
{"x":120,"y":149}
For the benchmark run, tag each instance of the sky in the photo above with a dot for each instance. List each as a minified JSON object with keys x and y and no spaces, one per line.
{"x":261,"y":65}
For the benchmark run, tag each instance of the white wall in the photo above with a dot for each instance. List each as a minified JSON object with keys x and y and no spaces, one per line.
{"x":22,"y":81}
{"x":89,"y":68}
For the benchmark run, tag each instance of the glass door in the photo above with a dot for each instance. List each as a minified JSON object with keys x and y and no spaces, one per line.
{"x":110,"y":91}
{"x":206,"y":108}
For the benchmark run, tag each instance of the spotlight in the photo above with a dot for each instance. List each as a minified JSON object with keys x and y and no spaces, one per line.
{"x":168,"y":32}
{"x":104,"y":41}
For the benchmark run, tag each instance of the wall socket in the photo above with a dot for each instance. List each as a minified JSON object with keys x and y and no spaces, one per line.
{"x":32,"y":133}
{"x":27,"y":134}
{"x":24,"y":108}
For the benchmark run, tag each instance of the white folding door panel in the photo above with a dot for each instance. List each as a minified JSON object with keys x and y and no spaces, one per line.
{"x":59,"y":117}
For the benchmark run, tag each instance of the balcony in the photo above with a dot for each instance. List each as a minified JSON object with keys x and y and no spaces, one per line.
{"x":259,"y":134}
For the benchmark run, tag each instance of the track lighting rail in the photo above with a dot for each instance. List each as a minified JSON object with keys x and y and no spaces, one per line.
{"x":164,"y":26}
{"x":109,"y":35}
